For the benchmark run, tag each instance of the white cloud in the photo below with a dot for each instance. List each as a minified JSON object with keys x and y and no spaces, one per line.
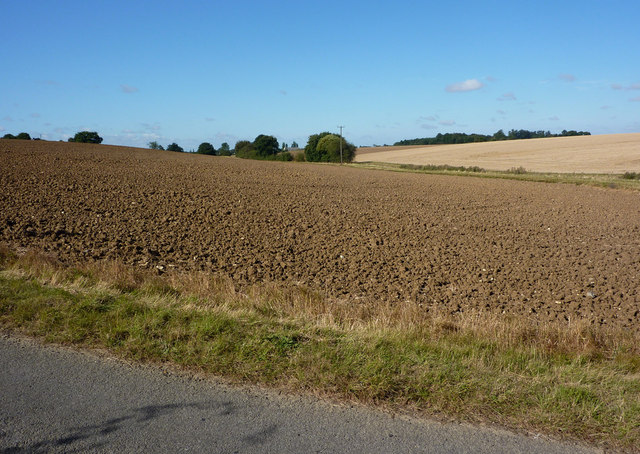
{"x":467,"y":85}
{"x":507,"y":97}
{"x":567,"y":77}
{"x":491,"y":79}
{"x":128,"y":88}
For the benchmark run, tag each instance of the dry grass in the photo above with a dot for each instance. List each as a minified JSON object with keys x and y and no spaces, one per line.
{"x":614,"y":154}
{"x":566,"y":380}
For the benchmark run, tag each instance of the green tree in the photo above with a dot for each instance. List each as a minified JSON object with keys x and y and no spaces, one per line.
{"x":224,"y":149}
{"x":175,"y":147}
{"x":266,"y":146}
{"x":8,"y":136}
{"x":206,"y":148}
{"x":310,"y":150}
{"x":329,"y":147}
{"x":294,"y":145}
{"x":155,"y":145}
{"x":243,"y":149}
{"x":86,"y":137}
{"x":23,"y":136}
{"x":500,"y":135}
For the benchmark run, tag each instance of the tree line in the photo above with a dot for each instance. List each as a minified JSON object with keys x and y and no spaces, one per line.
{"x":514,"y":134}
{"x":322,"y":147}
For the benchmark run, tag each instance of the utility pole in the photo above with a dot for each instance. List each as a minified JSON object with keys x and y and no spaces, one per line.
{"x":341,"y":127}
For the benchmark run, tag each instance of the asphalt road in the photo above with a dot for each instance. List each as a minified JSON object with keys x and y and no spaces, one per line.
{"x":57,"y":400}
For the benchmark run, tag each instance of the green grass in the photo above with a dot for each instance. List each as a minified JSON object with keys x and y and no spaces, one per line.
{"x":628,"y":180}
{"x":592,"y":395}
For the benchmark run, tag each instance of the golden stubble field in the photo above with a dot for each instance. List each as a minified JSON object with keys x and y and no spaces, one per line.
{"x":613,"y":153}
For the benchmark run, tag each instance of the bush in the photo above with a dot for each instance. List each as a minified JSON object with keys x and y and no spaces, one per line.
{"x":518,"y":170}
{"x":206,"y":148}
{"x":86,"y":137}
{"x":21,"y":136}
{"x":175,"y":147}
{"x":224,"y":150}
{"x":266,"y":145}
{"x":631,"y":176}
{"x":155,"y":146}
{"x":329,"y":149}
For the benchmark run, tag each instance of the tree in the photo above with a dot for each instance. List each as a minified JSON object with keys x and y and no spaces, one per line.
{"x":499,"y":135}
{"x":224,"y":149}
{"x":266,"y":146}
{"x":155,"y":145}
{"x":310,"y":150}
{"x":8,"y":136}
{"x":23,"y":136}
{"x":328,"y":149}
{"x":206,"y":148}
{"x":243,"y":148}
{"x":175,"y":147}
{"x":294,"y":145}
{"x":86,"y":137}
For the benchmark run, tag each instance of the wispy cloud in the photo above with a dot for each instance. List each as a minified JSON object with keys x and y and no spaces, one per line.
{"x":283,"y":92}
{"x":7,"y":118}
{"x":447,"y":122}
{"x":491,"y":79}
{"x":467,"y":85}
{"x":35,"y":115}
{"x":554,"y":118}
{"x":501,"y":112}
{"x":428,"y":126}
{"x":209,"y":119}
{"x":151,"y":126}
{"x":636,"y":99}
{"x":567,"y":77}
{"x":507,"y":97}
{"x":635,"y":86}
{"x":128,"y":88}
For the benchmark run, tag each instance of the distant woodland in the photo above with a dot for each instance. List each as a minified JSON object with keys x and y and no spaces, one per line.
{"x":514,"y":134}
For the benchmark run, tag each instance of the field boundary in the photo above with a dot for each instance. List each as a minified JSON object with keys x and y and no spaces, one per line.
{"x":628,"y":180}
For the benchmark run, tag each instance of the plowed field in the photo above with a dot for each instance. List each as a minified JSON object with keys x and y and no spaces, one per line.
{"x":544,"y":251}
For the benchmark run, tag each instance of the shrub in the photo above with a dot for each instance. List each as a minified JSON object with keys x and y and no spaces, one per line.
{"x":155,"y":146}
{"x":206,"y":148}
{"x":631,"y":176}
{"x":175,"y":147}
{"x":86,"y":137}
{"x":518,"y":170}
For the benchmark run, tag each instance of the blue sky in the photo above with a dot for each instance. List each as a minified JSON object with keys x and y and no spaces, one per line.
{"x":191,"y":71}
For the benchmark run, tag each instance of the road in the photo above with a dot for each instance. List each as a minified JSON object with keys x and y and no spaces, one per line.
{"x":55,"y":399}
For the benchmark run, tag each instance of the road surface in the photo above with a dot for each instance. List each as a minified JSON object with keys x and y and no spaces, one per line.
{"x":54,"y":399}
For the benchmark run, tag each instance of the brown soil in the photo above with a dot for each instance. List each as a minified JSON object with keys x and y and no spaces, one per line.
{"x":549,"y":252}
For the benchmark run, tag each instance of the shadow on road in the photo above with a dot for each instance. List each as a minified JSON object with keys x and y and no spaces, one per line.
{"x":94,"y":436}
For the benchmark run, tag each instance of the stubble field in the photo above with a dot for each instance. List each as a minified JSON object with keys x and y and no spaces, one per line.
{"x":614,"y":153}
{"x":550,"y":253}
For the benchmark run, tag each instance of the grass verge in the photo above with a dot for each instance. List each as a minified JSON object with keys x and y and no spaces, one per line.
{"x":504,"y":373}
{"x":628,"y":180}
